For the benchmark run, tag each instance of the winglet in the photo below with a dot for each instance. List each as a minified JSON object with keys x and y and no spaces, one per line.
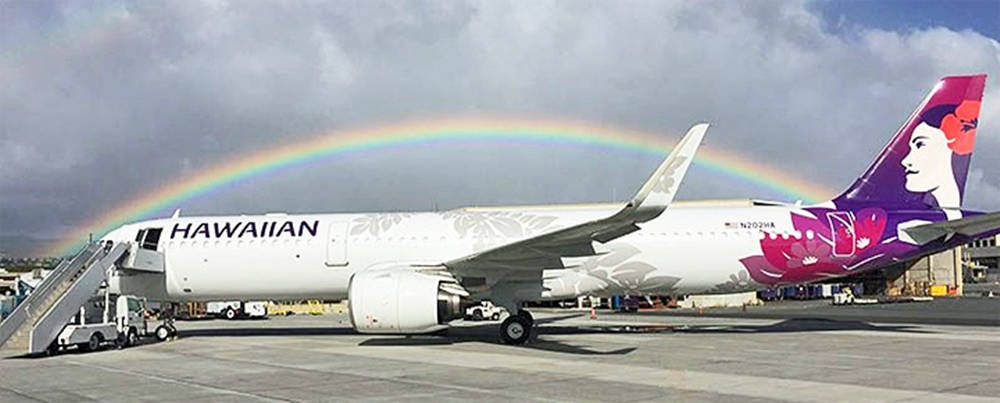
{"x":659,"y":190}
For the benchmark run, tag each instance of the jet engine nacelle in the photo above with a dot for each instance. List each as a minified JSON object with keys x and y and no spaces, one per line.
{"x":401,"y":300}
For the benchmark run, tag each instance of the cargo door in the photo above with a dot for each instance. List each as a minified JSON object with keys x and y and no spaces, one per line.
{"x":336,"y":244}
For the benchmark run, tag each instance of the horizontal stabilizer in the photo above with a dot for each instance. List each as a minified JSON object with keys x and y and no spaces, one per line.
{"x":968,"y":226}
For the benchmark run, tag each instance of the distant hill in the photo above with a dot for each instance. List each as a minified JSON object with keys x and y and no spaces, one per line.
{"x":24,"y":246}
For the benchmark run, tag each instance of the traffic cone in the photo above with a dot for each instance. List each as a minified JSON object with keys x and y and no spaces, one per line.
{"x":593,"y":313}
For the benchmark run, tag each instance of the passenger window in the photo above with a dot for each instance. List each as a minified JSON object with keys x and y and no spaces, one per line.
{"x":152,"y":238}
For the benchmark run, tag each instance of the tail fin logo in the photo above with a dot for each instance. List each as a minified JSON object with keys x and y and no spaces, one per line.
{"x":944,"y":133}
{"x":926,"y":164}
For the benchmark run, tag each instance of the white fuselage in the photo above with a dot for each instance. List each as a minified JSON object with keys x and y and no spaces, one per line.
{"x":691,"y":247}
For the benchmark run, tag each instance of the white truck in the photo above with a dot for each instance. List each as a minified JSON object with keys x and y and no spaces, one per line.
{"x":237,"y":309}
{"x":485,"y":310}
{"x":94,"y":327}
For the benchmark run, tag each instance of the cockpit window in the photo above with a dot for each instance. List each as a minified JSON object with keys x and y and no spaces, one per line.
{"x":138,"y":235}
{"x":152,"y":238}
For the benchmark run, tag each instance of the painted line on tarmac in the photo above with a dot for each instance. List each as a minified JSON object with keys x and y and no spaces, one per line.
{"x":911,"y":335}
{"x":20,"y":395}
{"x":347,"y":371}
{"x":945,"y":332}
{"x":177,"y":382}
{"x":719,"y":383}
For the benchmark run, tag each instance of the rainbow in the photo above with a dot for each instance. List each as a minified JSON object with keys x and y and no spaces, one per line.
{"x":337,"y":143}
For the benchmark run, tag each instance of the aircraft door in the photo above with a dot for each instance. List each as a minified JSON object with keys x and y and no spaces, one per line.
{"x":151,"y":238}
{"x":336,"y":244}
{"x":842,"y":229}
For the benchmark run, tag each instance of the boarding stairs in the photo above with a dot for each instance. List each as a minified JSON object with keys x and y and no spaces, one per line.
{"x":37,"y":321}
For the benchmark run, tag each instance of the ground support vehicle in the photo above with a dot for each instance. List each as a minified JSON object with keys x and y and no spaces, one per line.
{"x":94,"y":327}
{"x":237,"y":309}
{"x":485,"y":310}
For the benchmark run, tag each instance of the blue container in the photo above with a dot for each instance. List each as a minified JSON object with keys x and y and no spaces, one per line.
{"x":768,"y":294}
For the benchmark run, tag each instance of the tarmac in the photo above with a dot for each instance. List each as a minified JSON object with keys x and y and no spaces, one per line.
{"x":942,"y":311}
{"x":799,"y":356}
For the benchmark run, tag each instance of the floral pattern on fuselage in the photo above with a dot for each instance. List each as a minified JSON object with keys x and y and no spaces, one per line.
{"x":825,"y":243}
{"x":617,"y":273}
{"x":738,"y":282}
{"x":376,"y":224}
{"x":493,"y":228}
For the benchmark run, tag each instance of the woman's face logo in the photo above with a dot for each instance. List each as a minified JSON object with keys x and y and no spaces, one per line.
{"x":928,"y":164}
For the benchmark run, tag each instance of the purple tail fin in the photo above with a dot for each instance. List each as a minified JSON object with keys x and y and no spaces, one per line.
{"x":926,"y":163}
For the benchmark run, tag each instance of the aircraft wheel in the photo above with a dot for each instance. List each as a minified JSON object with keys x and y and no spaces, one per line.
{"x":162,"y":333}
{"x":515,"y":330}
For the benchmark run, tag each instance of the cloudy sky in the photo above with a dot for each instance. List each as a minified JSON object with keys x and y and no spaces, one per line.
{"x":102,"y":101}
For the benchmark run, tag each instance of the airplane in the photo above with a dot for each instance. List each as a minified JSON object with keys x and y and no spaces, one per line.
{"x":410,"y":273}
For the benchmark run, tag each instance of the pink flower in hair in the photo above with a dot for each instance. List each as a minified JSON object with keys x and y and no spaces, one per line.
{"x":960,"y":127}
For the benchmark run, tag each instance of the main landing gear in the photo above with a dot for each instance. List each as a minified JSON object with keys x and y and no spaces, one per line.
{"x":516,"y":329}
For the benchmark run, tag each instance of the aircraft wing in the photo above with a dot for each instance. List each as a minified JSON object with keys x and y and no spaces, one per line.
{"x":546,"y":250}
{"x":968,"y":226}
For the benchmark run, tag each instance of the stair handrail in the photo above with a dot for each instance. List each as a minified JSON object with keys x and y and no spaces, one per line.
{"x":24,"y":310}
{"x":89,"y":255}
{"x":47,"y":327}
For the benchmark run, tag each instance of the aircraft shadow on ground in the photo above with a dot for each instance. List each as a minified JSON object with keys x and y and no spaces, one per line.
{"x":267,"y":331}
{"x":801,"y":325}
{"x":488,"y":332}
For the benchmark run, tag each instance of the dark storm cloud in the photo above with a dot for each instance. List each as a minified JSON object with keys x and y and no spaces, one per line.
{"x":107,"y":100}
